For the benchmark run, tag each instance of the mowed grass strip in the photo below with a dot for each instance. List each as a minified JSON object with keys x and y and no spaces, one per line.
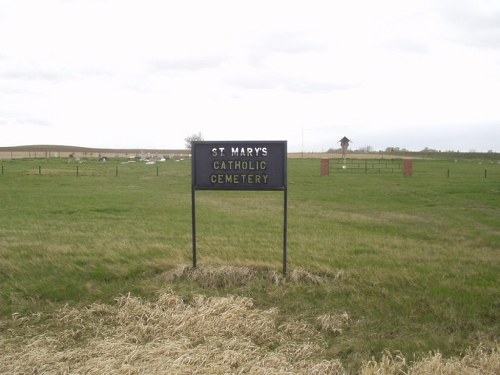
{"x":414,"y":262}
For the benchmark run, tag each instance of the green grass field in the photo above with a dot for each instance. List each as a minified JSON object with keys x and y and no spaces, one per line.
{"x":413,"y":261}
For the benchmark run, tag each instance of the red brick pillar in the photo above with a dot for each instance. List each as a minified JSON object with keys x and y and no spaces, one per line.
{"x":408,"y":168}
{"x":325,"y":167}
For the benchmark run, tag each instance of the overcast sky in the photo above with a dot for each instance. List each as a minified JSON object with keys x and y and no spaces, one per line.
{"x":149,"y":73}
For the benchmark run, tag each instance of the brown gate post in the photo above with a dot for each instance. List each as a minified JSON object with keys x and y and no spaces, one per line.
{"x":325,"y":167}
{"x":408,"y":168}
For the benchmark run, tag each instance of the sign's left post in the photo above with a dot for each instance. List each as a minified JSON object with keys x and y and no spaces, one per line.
{"x":193,"y":208}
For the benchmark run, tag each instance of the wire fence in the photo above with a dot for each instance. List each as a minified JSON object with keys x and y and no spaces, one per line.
{"x":113,"y":168}
{"x":447,"y":169}
{"x":366,"y":166}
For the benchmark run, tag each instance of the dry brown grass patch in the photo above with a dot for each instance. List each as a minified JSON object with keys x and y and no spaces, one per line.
{"x":209,"y":335}
{"x":480,"y":361}
{"x":229,"y":276}
{"x":216,"y":335}
{"x":333,"y":323}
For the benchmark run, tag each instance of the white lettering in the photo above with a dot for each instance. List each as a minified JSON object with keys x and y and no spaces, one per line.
{"x":249,"y":151}
{"x":221,"y":151}
{"x":236,"y":179}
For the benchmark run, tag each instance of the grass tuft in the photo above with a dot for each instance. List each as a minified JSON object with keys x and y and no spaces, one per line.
{"x":481,"y":361}
{"x":223,"y":277}
{"x":333,"y":323}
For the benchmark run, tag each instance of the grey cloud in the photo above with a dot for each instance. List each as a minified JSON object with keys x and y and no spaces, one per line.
{"x":188,"y":63}
{"x":260,"y":82}
{"x":34,"y":121}
{"x":35,"y":74}
{"x":408,"y":46}
{"x":7,"y":118}
{"x":18,"y":70}
{"x":15,"y":90}
{"x":469,"y":17}
{"x":308,"y":86}
{"x":270,"y":82}
{"x":286,"y":42}
{"x":473,"y":24}
{"x":98,"y":72}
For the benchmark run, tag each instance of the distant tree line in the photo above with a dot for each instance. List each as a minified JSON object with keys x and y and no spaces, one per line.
{"x":370,"y":149}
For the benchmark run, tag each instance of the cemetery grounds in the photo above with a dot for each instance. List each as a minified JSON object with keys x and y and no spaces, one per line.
{"x":386,"y":274}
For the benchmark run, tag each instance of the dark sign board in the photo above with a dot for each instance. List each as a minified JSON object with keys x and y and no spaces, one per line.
{"x":239,"y":165}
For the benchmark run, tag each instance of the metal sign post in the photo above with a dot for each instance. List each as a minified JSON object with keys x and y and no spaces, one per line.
{"x":239,"y":165}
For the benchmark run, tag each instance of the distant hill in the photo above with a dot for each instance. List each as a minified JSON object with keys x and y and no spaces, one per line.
{"x":37,"y":151}
{"x":63,"y":148}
